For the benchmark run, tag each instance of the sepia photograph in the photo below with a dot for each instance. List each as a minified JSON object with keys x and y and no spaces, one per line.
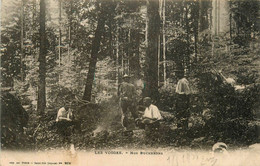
{"x":130,"y":82}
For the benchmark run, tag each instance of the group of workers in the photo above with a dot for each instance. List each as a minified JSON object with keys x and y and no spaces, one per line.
{"x":128,"y":103}
{"x":151,"y":117}
{"x":131,"y":117}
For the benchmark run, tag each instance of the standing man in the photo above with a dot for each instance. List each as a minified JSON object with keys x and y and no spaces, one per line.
{"x":127,"y":93}
{"x":182,"y":103}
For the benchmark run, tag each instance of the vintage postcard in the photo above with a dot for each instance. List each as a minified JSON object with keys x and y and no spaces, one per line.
{"x":130,"y":82}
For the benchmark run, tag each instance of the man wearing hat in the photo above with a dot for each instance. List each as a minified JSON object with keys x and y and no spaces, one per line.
{"x":127,"y":93}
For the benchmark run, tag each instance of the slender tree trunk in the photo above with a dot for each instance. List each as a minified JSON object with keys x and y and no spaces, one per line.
{"x":22,"y":38}
{"x":187,"y":58}
{"x":122,"y":53}
{"x":202,"y":16}
{"x":70,"y":27}
{"x":59,"y":34}
{"x":214,"y":26}
{"x":110,"y":34}
{"x":129,"y":51}
{"x":41,"y":103}
{"x":196,"y":30}
{"x":164,"y":45}
{"x":218,"y":8}
{"x":159,"y":44}
{"x":137,"y":55}
{"x":159,"y":58}
{"x":146,"y":29}
{"x":117,"y":59}
{"x":94,"y":53}
{"x":216,"y":17}
{"x":230,"y":21}
{"x":151,"y":59}
{"x":34,"y":21}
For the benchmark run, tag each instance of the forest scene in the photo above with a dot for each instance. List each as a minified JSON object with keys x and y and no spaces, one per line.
{"x":197,"y":61}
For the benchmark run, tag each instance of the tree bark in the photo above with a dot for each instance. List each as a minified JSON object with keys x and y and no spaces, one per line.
{"x":22,"y":38}
{"x":34,"y":25}
{"x":164,"y":45}
{"x":203,"y":15}
{"x":230,"y":21}
{"x":41,"y":103}
{"x":134,"y":62}
{"x":151,"y":59}
{"x":187,"y":58}
{"x":59,"y":34}
{"x":218,"y":8}
{"x":196,"y":29}
{"x":94,"y":53}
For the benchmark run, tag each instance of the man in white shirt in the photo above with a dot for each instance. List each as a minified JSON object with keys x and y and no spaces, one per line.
{"x":151,"y":111}
{"x":182,"y":103}
{"x":64,"y":114}
{"x":65,"y":122}
{"x":151,"y":115}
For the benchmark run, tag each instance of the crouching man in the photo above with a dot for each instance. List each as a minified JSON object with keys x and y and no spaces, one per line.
{"x":64,"y":114}
{"x":152,"y":116}
{"x":66,"y":124}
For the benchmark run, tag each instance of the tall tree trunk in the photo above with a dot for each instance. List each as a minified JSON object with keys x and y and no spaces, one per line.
{"x":34,"y":27}
{"x":122,"y":53}
{"x":218,"y":8}
{"x":59,"y":33}
{"x":22,"y":38}
{"x":94,"y":53}
{"x":216,"y":16}
{"x":213,"y":25}
{"x":151,"y":59}
{"x":69,"y":30}
{"x":146,"y":28}
{"x":159,"y":58}
{"x":41,"y":103}
{"x":117,"y":59}
{"x":134,"y":62}
{"x":164,"y":44}
{"x":128,"y":50}
{"x":59,"y":47}
{"x":187,"y":58}
{"x":196,"y":29}
{"x":203,"y":15}
{"x":230,"y":21}
{"x":110,"y":34}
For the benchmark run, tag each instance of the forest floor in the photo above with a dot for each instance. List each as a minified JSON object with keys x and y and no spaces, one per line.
{"x":106,"y":132}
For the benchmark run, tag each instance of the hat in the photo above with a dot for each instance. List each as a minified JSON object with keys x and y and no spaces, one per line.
{"x":219,"y":146}
{"x":126,"y":76}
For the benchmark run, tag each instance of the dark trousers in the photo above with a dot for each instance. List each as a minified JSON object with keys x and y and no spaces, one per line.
{"x":128,"y":107}
{"x":182,"y":108}
{"x":67,"y":128}
{"x":152,"y":132}
{"x":148,"y":125}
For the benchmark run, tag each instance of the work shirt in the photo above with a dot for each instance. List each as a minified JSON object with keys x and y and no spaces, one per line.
{"x":62,"y":113}
{"x":183,"y":87}
{"x":127,"y":91}
{"x":152,"y":112}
